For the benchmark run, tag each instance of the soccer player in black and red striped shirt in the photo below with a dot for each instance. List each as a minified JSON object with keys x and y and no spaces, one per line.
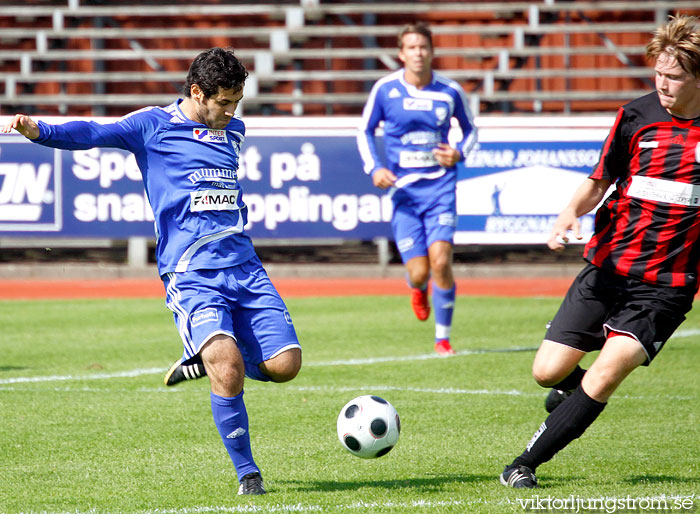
{"x":643,"y":259}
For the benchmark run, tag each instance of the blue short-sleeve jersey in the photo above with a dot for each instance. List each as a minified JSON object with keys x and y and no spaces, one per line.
{"x":190,"y":176}
{"x":415,"y":121}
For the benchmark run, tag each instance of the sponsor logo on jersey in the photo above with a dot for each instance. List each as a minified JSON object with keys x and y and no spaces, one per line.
{"x":677,"y":140}
{"x":204,"y":316}
{"x":214,"y":200}
{"x":441,"y":114}
{"x":421,"y":137}
{"x":210,"y":135}
{"x":665,"y":191}
{"x":213,"y":174}
{"x":417,"y":159}
{"x":417,"y":104}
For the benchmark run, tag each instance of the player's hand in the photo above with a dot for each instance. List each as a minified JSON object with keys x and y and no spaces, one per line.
{"x":446,"y":156}
{"x":558,"y":237}
{"x":22,"y":124}
{"x":383,"y":178}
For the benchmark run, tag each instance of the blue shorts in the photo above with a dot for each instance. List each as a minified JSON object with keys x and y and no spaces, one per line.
{"x":239,"y":302}
{"x":424,"y":212}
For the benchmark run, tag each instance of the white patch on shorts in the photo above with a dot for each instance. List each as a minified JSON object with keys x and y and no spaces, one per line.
{"x":405,"y":244}
{"x":204,"y":316}
{"x":448,"y":219}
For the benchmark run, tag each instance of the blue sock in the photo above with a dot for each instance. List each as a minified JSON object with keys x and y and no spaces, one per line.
{"x":231,"y":420}
{"x":443,"y":306}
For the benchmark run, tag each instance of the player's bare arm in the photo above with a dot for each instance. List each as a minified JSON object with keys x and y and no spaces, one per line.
{"x":584,"y":200}
{"x":383,"y":178}
{"x":22,"y":124}
{"x":446,"y":156}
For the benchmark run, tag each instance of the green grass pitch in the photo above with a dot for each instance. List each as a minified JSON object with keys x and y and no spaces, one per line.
{"x":88,"y":428}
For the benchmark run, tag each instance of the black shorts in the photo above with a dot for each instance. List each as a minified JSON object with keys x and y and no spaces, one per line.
{"x":600,"y":301}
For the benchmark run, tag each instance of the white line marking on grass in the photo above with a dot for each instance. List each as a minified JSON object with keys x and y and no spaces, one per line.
{"x":365,"y":389}
{"x":342,"y":362}
{"x":664,"y":502}
{"x":421,"y":357}
{"x":450,"y":390}
{"x":97,"y":376}
{"x":347,"y":362}
{"x":690,"y":332}
{"x":101,"y":390}
{"x":299,"y":507}
{"x":442,"y":390}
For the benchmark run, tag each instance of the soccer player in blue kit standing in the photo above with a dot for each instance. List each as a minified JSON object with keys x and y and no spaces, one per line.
{"x":417,"y":106}
{"x":229,"y":315}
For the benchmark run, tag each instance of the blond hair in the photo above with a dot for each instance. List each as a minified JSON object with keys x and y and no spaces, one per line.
{"x":679,"y":38}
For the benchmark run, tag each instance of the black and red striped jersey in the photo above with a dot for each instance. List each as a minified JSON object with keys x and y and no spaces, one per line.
{"x":649,"y":226}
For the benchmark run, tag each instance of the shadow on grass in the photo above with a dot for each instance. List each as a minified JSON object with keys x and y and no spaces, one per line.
{"x":553,"y":482}
{"x":423,"y":483}
{"x":661,"y":479}
{"x":12,"y":368}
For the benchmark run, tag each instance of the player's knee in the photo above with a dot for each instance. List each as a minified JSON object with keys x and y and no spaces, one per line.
{"x":441,"y":270}
{"x":225,"y":377}
{"x":542,"y":379}
{"x":440,"y":264}
{"x":418,"y":276}
{"x":601,"y":382}
{"x":547,"y":376}
{"x":419,"y":282}
{"x":284,"y":367}
{"x":285,"y":375}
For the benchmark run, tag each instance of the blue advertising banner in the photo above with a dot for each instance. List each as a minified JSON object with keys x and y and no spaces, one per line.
{"x":514,"y":191}
{"x":31,"y":191}
{"x":301,"y":186}
{"x":303,"y":179}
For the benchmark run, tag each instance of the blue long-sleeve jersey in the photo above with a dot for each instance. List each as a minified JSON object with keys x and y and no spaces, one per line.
{"x":415,"y":121}
{"x":190,"y":176}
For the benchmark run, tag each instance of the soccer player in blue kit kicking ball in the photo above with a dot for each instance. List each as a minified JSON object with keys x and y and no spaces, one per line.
{"x":417,"y":106}
{"x":230,"y":317}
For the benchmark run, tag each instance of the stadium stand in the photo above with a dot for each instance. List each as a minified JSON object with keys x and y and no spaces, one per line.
{"x":102,"y":58}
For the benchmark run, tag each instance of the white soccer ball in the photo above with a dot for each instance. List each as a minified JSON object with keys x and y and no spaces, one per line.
{"x":368,"y":426}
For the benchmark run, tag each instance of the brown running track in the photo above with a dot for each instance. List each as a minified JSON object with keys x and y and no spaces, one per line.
{"x":288,"y":287}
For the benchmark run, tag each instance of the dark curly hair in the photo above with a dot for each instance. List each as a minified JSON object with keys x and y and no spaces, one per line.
{"x":214,"y":68}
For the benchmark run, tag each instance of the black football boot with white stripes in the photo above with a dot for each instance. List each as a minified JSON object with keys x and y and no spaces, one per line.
{"x":252,"y":483}
{"x":179,"y":372}
{"x":518,"y":477}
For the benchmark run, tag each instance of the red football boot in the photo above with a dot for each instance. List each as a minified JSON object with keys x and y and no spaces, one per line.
{"x":419,"y":302}
{"x":443,"y":347}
